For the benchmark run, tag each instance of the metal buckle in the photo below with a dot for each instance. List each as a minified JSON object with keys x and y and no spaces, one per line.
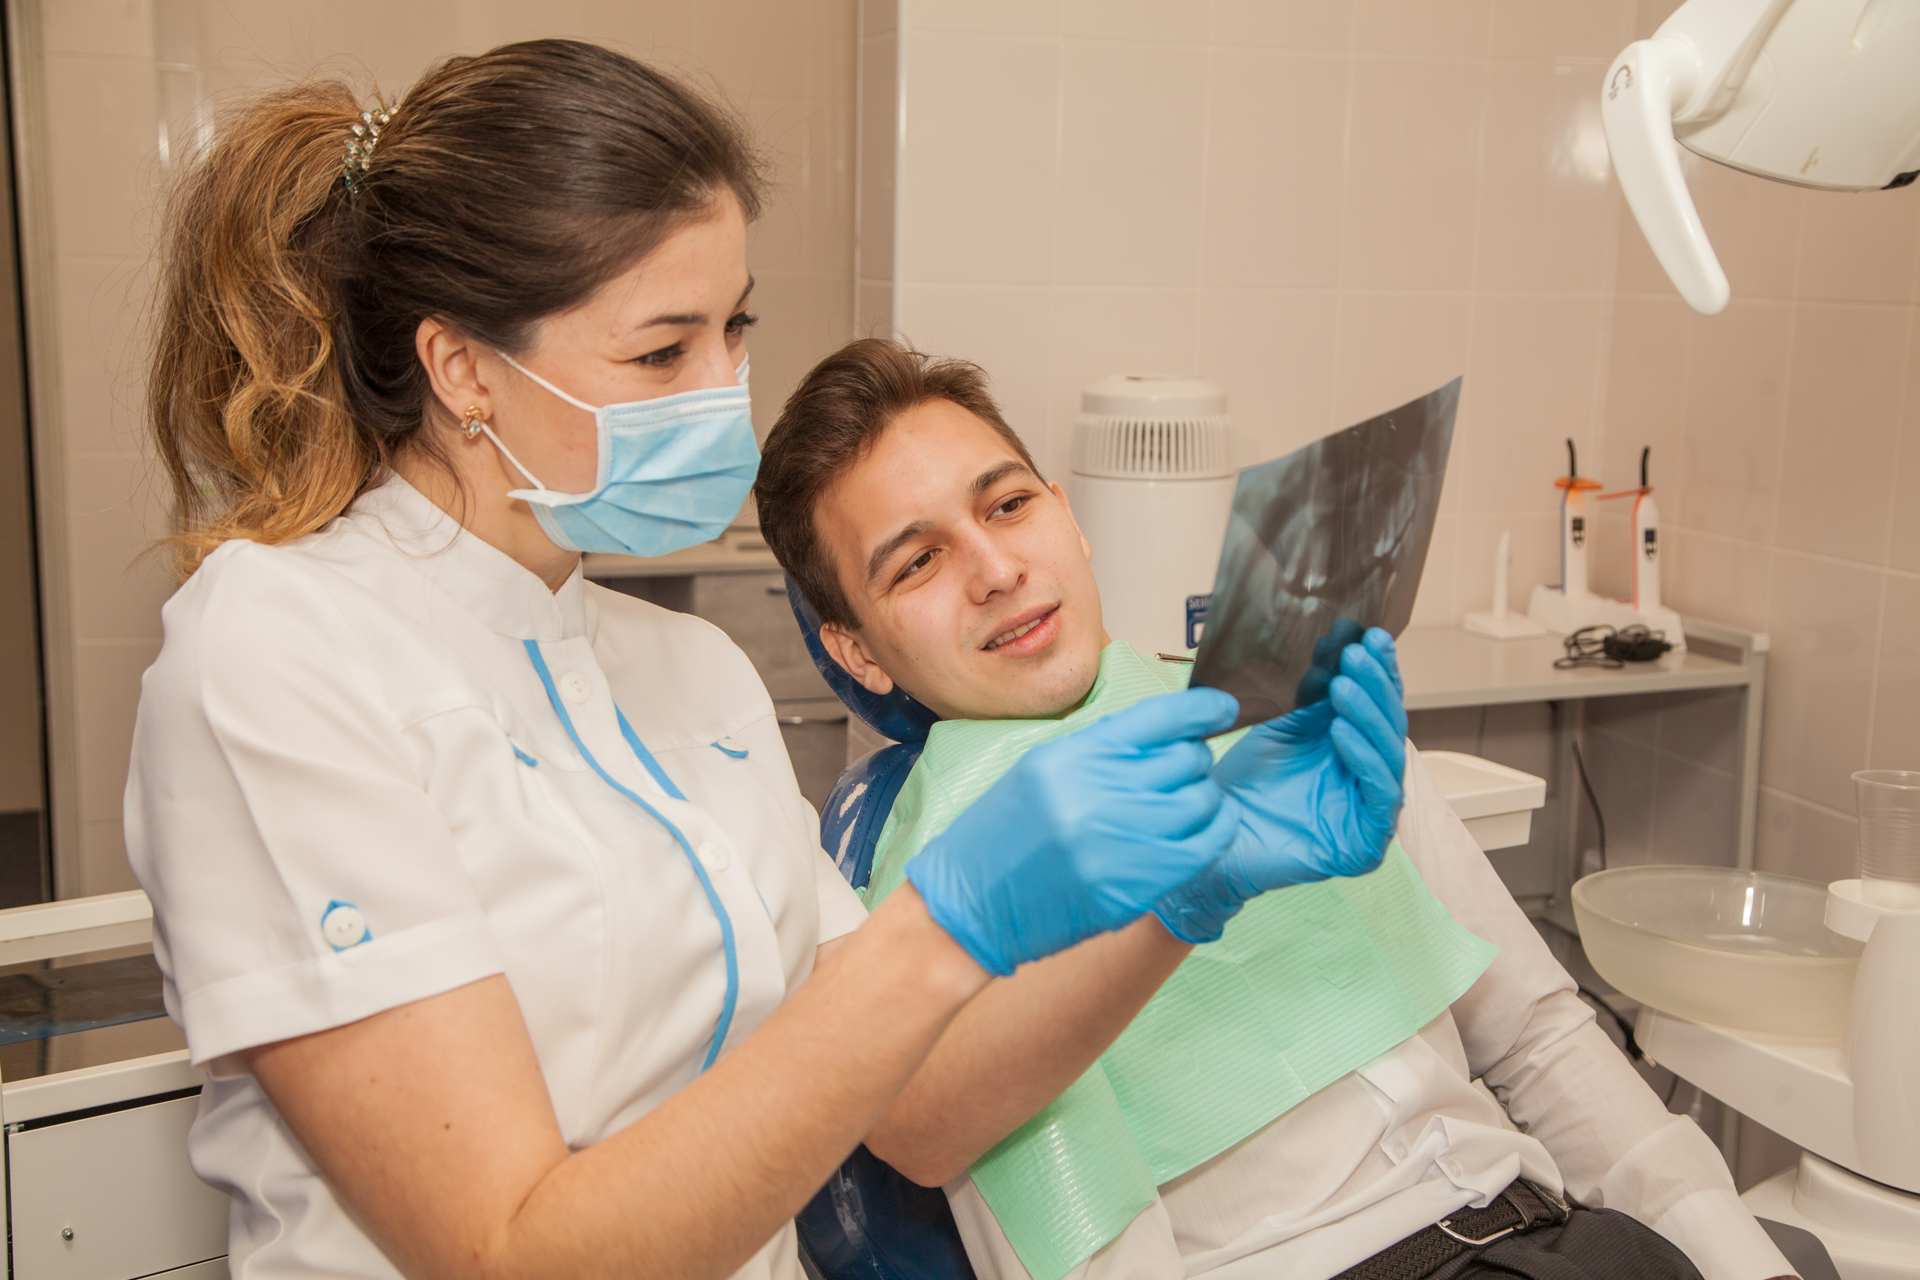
{"x":1445,"y":1226}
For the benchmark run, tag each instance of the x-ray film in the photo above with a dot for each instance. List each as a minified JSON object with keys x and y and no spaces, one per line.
{"x":1322,"y":544}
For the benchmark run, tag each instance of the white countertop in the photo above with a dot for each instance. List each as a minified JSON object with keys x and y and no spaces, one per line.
{"x":1452,"y":667}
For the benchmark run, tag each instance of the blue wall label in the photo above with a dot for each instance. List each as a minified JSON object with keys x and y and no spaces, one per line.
{"x":1196,"y":619}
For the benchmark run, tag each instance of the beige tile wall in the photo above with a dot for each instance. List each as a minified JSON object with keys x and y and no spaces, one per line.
{"x":1327,"y":205}
{"x":115,"y":89}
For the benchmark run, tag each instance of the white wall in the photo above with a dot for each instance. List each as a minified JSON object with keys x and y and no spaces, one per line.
{"x":1328,"y":207}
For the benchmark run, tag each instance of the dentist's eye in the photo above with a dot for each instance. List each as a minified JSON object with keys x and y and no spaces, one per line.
{"x":664,"y":358}
{"x":740,"y":322}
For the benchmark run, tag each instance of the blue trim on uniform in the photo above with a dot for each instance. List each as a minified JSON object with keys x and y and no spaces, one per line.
{"x":646,"y":756}
{"x":523,"y":757}
{"x":725,"y":1023}
{"x":731,"y":753}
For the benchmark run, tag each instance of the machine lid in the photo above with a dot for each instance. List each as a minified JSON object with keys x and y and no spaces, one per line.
{"x":1153,"y":395}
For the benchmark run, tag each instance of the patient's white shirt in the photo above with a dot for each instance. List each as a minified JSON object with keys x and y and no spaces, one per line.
{"x":1414,"y":1134}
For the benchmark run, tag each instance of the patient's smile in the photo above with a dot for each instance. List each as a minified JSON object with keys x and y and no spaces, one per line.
{"x":1028,"y":633}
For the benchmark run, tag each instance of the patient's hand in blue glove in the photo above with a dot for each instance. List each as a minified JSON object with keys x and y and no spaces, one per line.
{"x":1084,"y":834}
{"x":1317,"y":791}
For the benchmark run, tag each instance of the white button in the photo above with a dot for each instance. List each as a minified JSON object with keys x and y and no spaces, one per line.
{"x":343,"y":926}
{"x":714,"y":855}
{"x":575,"y":687}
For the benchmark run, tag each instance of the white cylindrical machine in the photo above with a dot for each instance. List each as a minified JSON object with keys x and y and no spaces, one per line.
{"x":1152,"y":488}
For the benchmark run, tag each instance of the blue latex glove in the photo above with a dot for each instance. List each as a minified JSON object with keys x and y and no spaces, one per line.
{"x":1317,"y":790}
{"x":1084,"y":834}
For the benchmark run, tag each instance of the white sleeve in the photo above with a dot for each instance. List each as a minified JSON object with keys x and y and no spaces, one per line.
{"x":838,"y":902}
{"x":841,"y":911}
{"x":1531,"y":1038}
{"x":271,"y":780}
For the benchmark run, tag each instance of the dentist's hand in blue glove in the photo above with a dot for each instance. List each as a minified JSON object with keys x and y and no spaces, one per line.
{"x":1318,"y":792}
{"x":1084,"y":834}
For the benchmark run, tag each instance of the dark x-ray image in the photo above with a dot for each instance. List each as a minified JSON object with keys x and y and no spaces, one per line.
{"x":1322,"y":544}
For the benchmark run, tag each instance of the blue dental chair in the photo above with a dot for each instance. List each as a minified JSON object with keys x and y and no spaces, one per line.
{"x":870,"y":1222}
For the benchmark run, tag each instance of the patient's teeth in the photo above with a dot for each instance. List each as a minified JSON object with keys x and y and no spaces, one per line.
{"x":1008,"y":637}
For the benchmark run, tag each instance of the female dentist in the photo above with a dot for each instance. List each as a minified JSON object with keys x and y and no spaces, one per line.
{"x":485,"y":896}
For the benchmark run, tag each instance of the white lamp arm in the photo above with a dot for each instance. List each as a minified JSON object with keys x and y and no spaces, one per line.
{"x":1647,"y":85}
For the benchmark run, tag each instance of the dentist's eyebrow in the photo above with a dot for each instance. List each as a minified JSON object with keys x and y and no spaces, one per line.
{"x":693,"y":317}
{"x":994,"y":475}
{"x":884,"y":552}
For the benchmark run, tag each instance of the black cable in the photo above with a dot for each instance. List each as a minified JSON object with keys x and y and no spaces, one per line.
{"x":1632,"y":1045}
{"x":1599,"y":818}
{"x":1587,"y":647}
{"x":1603,"y":646}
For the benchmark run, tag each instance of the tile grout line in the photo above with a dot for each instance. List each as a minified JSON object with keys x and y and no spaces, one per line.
{"x":1796,"y":798}
{"x":1198,"y":265}
{"x":1886,"y":551}
{"x":1873,"y":678}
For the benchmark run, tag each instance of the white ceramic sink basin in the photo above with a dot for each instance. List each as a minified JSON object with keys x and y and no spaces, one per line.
{"x":1735,"y":948}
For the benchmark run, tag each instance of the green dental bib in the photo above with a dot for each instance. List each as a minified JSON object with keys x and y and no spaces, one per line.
{"x":1307,"y":984}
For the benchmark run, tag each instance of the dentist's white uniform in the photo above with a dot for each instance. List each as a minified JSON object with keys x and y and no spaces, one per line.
{"x":385,"y":761}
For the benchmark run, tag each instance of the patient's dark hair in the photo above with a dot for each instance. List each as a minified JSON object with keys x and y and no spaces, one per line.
{"x":831,"y":420}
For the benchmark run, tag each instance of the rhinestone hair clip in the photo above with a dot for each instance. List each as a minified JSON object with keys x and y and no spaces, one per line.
{"x":365,"y":134}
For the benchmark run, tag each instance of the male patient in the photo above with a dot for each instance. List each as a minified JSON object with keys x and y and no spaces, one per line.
{"x":941,"y":562}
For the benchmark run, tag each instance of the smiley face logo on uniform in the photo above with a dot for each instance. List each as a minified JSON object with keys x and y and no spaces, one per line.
{"x":342,"y":925}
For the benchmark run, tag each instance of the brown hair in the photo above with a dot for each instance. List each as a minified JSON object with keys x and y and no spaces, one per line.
{"x":505,"y":188}
{"x":830,"y":422}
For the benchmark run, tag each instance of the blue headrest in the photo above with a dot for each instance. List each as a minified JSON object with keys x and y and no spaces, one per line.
{"x":897,"y":715}
{"x":856,"y":812}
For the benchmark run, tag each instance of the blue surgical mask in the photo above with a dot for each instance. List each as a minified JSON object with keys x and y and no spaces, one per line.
{"x":672,"y":471}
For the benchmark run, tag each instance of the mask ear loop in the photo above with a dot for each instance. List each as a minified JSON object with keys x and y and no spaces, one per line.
{"x":575,"y":401}
{"x":473,"y":423}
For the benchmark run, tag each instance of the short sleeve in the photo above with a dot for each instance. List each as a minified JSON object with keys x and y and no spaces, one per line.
{"x":277,"y":815}
{"x":841,"y":911}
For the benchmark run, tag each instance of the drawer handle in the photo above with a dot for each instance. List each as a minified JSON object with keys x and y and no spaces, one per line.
{"x":794,"y":721}
{"x":775,"y":591}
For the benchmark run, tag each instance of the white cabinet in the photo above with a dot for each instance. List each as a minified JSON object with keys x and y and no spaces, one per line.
{"x":110,"y":1196}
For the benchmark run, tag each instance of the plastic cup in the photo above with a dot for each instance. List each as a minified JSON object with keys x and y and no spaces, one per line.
{"x":1889,"y":851}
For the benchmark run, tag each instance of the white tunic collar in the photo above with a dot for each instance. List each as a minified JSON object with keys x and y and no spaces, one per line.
{"x":497,"y":589}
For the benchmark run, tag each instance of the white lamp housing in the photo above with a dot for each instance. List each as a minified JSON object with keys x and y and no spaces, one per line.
{"x":1820,"y":93}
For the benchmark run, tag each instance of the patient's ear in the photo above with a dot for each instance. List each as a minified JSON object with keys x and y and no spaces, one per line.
{"x":846,"y":648}
{"x":1086,"y":548}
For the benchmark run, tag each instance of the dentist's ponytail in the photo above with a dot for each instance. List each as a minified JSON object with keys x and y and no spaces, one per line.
{"x":245,"y":394}
{"x":502,"y":189}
